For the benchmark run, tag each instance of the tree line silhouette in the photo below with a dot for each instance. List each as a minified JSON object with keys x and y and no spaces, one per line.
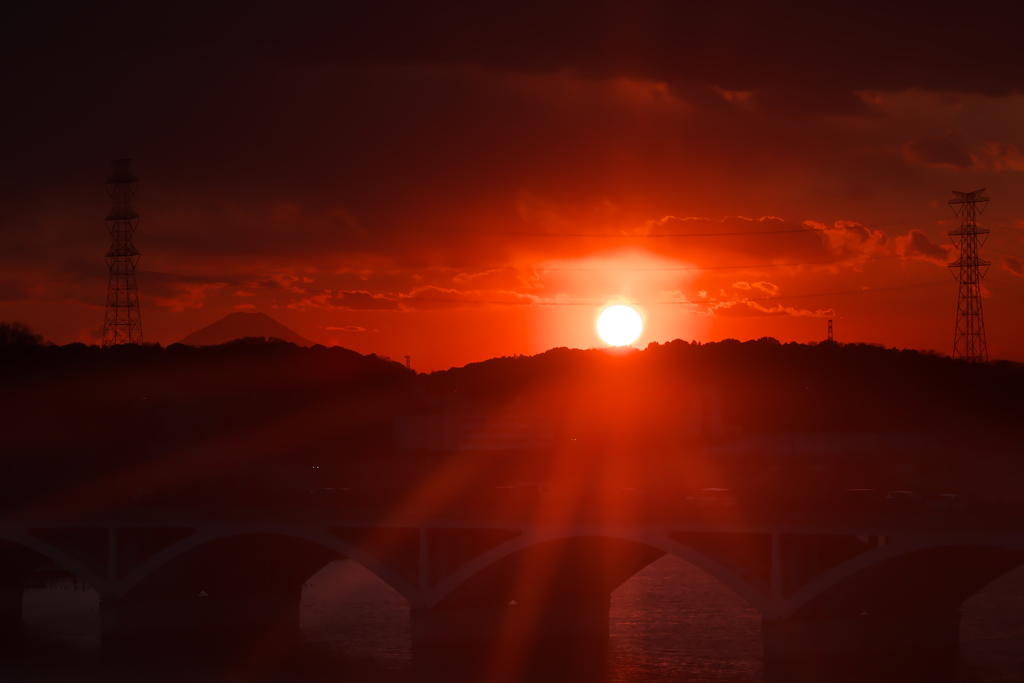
{"x":265,"y":422}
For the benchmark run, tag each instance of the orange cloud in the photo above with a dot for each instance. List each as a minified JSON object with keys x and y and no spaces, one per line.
{"x":852,"y":242}
{"x":746,"y":308}
{"x":1003,"y":156}
{"x":348,"y":301}
{"x":766,"y":287}
{"x":189,"y":295}
{"x":431,"y":297}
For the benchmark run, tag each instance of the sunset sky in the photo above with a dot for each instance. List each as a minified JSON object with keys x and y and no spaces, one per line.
{"x":458,"y":181}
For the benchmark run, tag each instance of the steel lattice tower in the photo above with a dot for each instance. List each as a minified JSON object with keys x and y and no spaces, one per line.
{"x":122,"y":323}
{"x":969,"y":343}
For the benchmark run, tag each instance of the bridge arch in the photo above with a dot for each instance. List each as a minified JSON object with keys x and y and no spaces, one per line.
{"x":635,"y":550}
{"x":922,"y":574}
{"x":281,"y":537}
{"x":45,"y":551}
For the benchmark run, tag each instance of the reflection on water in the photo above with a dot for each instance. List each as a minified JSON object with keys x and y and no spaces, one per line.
{"x":65,"y":613}
{"x":670,"y":622}
{"x":349,"y":611}
{"x":992,"y":632}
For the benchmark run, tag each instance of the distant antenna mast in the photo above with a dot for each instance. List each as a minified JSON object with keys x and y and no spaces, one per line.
{"x":122,"y":323}
{"x":969,"y":342}
{"x":830,"y":330}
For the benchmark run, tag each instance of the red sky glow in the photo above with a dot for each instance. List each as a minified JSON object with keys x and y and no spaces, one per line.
{"x":456,"y":182}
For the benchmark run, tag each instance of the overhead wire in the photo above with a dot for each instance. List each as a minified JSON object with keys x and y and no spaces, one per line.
{"x":732,"y":233}
{"x":728,"y":233}
{"x":1001,"y":283}
{"x":701,"y":268}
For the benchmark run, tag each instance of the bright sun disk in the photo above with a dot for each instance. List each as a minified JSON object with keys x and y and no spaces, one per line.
{"x":619,"y":325}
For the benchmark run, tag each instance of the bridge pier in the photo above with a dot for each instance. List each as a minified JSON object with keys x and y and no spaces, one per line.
{"x":899,"y":647}
{"x":11,"y":624}
{"x":200,"y":618}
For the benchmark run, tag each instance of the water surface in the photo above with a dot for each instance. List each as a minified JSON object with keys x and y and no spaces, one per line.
{"x":670,"y":622}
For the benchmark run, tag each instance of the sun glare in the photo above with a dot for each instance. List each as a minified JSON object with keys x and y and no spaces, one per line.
{"x":619,"y":325}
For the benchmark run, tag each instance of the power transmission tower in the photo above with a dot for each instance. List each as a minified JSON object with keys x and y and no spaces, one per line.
{"x":122,"y":323}
{"x":969,"y":342}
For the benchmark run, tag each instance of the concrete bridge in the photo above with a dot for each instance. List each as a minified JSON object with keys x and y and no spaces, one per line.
{"x":850,"y":596}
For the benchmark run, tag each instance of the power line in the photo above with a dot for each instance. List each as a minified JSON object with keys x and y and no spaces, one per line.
{"x":729,"y":233}
{"x":918,"y":221}
{"x":1012,"y":285}
{"x":871,"y":290}
{"x":1011,"y":228}
{"x":692,"y":268}
{"x":1006,"y":253}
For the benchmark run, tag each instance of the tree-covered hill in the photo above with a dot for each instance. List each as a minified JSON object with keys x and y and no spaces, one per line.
{"x":145,"y":420}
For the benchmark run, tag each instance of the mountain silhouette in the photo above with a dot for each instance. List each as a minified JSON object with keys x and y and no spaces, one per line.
{"x":241,"y":324}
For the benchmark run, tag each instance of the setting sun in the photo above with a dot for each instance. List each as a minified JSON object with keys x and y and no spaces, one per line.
{"x":619,"y":325}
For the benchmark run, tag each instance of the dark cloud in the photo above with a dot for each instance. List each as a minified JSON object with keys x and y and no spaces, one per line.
{"x":344,"y":300}
{"x":1014,"y":265}
{"x":433,"y":298}
{"x":363,"y":301}
{"x":13,"y":290}
{"x":181,"y":292}
{"x":374,"y":119}
{"x":852,"y":242}
{"x":496,"y":278}
{"x":943,"y":151}
{"x":805,"y":101}
{"x":755,"y":240}
{"x":771,"y":240}
{"x":738,"y":44}
{"x":916,"y":244}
